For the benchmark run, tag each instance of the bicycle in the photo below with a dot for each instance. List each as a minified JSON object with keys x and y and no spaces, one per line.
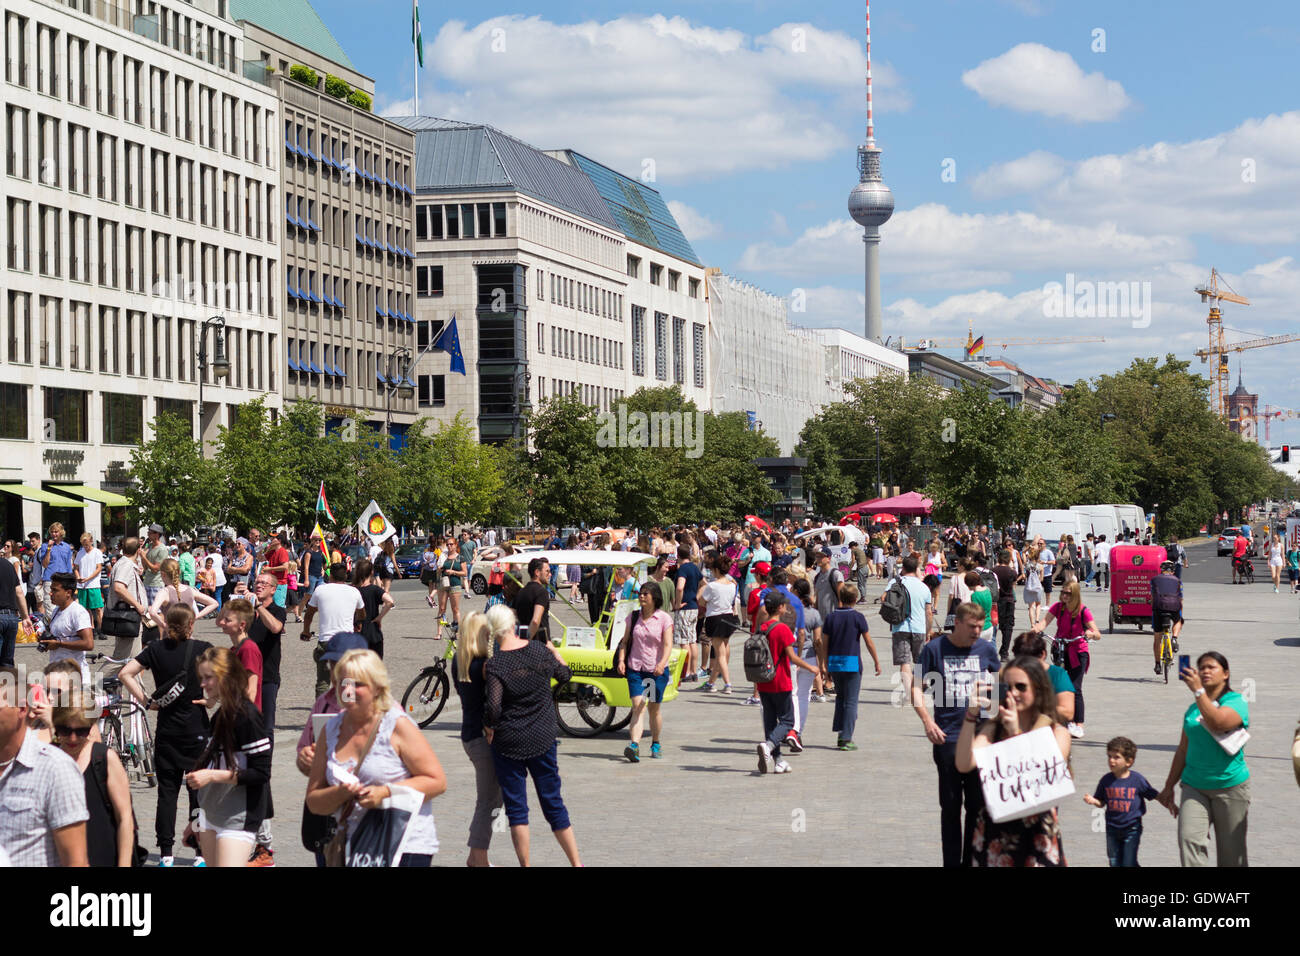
{"x":426,"y":696}
{"x":124,"y":725}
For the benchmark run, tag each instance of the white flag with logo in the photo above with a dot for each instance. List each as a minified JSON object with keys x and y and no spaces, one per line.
{"x":374,"y":525}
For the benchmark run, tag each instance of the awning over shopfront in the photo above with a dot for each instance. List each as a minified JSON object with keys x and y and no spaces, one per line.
{"x":45,"y":497}
{"x":96,"y":494}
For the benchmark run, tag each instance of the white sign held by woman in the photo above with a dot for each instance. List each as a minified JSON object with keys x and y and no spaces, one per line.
{"x":1023,"y":775}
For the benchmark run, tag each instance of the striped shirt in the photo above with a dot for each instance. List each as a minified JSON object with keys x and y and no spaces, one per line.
{"x":241,"y":805}
{"x":42,"y":791}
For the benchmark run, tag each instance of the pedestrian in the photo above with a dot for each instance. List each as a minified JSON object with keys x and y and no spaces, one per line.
{"x":532,"y":606}
{"x":277,"y":563}
{"x":1034,"y":645}
{"x":1033,"y":585}
{"x":88,"y":566}
{"x":175,"y":592}
{"x":239,"y":570}
{"x":840,"y":657}
{"x":234,"y":621}
{"x":642,"y":657}
{"x":686,"y":609}
{"x":429,"y":569}
{"x":826,"y":584}
{"x":232,"y":773}
{"x":981,"y":595}
{"x":934,"y":562}
{"x":808,"y":687}
{"x":152,"y":557}
{"x":385,"y":562}
{"x":189,"y":572}
{"x":718,"y":600}
{"x":337,"y":602}
{"x":13,"y":609}
{"x":473,"y":650}
{"x":1293,"y":566}
{"x":1007,"y":580}
{"x":520,"y":725}
{"x":208,"y":578}
{"x":110,"y":826}
{"x":1074,"y":626}
{"x":377,"y":603}
{"x":43,"y":795}
{"x":1211,"y":766}
{"x":311,"y":564}
{"x":777,"y":695}
{"x":909,"y":635}
{"x":1102,"y":550}
{"x":1276,"y":561}
{"x":179,"y":735}
{"x":70,"y":633}
{"x":295,"y":589}
{"x":1029,"y":705}
{"x":949,"y":665}
{"x":1124,"y":793}
{"x":452,"y":572}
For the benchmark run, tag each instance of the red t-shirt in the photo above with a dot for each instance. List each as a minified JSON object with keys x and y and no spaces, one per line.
{"x":1239,"y":546}
{"x":779,"y":637}
{"x":250,"y":655}
{"x":755,"y":602}
{"x":280,"y":555}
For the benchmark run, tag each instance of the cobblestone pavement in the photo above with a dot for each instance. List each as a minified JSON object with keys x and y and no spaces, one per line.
{"x":705,"y":803}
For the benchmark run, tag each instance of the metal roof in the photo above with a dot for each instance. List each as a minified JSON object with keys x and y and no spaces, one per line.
{"x":296,"y":21}
{"x":450,"y":155}
{"x":640,"y":211}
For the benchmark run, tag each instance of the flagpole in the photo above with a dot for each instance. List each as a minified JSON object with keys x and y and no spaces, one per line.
{"x":415,"y":60}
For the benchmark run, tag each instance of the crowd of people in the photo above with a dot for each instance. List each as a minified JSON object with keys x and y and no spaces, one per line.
{"x":794,"y":598}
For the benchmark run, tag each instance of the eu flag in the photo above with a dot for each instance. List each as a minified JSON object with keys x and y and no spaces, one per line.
{"x":449,"y":341}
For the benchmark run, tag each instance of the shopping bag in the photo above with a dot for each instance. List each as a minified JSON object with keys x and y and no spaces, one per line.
{"x":1023,"y":775}
{"x":26,"y":633}
{"x":380,"y":834}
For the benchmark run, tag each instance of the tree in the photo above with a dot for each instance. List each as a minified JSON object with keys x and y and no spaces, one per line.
{"x":171,"y":482}
{"x":447,"y":477}
{"x":571,"y":474}
{"x":256,"y":471}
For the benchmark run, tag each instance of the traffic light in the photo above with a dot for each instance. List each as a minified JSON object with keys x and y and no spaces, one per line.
{"x":1286,"y":453}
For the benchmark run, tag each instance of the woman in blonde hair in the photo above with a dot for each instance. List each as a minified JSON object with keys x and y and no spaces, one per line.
{"x":233,"y":773}
{"x":370,"y":747}
{"x":1074,"y":626}
{"x":1034,"y":586}
{"x":472,"y":653}
{"x":175,"y":591}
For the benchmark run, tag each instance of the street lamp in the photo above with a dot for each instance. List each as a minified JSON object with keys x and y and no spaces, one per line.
{"x":1105,"y":417}
{"x":220,"y":364}
{"x":399,"y":368}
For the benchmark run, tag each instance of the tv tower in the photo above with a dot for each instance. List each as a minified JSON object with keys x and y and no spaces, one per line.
{"x":871,"y":204}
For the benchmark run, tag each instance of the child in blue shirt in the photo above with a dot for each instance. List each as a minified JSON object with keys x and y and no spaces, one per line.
{"x":1124,"y":793}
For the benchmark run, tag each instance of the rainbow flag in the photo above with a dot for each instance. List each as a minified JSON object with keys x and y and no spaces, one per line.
{"x":323,"y":505}
{"x":976,"y":346}
{"x":324,"y":545}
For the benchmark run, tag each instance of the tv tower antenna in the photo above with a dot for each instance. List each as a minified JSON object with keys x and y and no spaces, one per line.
{"x":871,"y":204}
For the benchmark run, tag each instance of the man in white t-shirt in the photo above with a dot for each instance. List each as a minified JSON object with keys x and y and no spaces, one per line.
{"x":70,"y":633}
{"x":218,"y":568}
{"x":375,"y":551}
{"x":337,"y":602}
{"x":1048,"y":561}
{"x":1101,"y":550}
{"x":490,"y":537}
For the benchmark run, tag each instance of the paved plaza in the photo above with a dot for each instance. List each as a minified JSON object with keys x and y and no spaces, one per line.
{"x":705,"y":803}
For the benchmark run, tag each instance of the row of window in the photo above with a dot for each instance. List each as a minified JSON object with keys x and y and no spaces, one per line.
{"x":581,"y":296}
{"x":135,"y":259}
{"x":142,"y":178}
{"x":331,"y":226}
{"x":128,"y":89}
{"x":360,"y":164}
{"x":591,"y":349}
{"x":66,"y":414}
{"x":662,"y":345}
{"x":657,"y":277}
{"x":597,"y":396}
{"x":485,"y":220}
{"x":337,"y":293}
{"x":334,"y":364}
{"x":114,"y":341}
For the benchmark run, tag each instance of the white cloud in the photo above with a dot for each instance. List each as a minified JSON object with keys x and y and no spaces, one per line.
{"x":1240,"y":185}
{"x":931,"y":245}
{"x":1033,"y":78}
{"x":694,"y":223}
{"x":1027,"y":174}
{"x":701,"y":102}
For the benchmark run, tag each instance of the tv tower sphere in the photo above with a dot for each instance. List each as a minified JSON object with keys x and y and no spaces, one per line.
{"x":871,"y":203}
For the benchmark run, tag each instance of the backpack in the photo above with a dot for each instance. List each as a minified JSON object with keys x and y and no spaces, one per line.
{"x":990,"y":581}
{"x":99,"y":770}
{"x":759,"y":666}
{"x":1171,"y":553}
{"x":1166,"y":594}
{"x":896,"y":604}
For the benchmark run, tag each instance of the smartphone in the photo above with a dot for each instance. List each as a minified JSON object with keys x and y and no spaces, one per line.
{"x":1184,"y":662}
{"x":522,"y":631}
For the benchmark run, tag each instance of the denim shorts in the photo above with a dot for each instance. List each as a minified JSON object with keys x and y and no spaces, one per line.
{"x":646,"y":684}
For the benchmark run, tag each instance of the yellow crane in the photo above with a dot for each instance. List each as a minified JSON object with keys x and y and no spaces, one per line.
{"x":969,"y":343}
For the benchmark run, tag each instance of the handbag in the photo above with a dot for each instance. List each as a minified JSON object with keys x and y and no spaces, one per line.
{"x":336,"y":850}
{"x":121,"y":621}
{"x":172,"y":691}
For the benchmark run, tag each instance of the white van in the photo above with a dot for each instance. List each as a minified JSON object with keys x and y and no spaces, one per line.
{"x":1098,"y":520}
{"x":1131,"y":518}
{"x":1053,"y":524}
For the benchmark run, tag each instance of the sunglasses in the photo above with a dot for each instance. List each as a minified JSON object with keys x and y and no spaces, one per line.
{"x":64,"y":731}
{"x":1021,"y":686}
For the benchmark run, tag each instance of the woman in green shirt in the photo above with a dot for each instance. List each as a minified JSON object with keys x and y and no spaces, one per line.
{"x":1216,"y":783}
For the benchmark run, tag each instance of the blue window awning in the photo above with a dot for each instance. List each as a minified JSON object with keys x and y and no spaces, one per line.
{"x":380,"y":375}
{"x":292,"y":364}
{"x":313,"y":296}
{"x":311,"y":224}
{"x":293,"y":293}
{"x":315,"y":369}
{"x":379,"y":310}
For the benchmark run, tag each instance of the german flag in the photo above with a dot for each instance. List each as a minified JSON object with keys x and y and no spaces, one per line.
{"x":974,"y":347}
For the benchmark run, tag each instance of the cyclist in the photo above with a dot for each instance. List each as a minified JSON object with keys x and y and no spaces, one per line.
{"x":1166,"y":607}
{"x":1240,"y":545}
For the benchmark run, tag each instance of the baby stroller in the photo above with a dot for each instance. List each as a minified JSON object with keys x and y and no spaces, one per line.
{"x":1245,"y":569}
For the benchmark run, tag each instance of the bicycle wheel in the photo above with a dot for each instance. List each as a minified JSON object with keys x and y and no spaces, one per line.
{"x":146,"y":752}
{"x":582,"y":710}
{"x":426,"y":695}
{"x":1165,"y":659}
{"x":111,"y":730}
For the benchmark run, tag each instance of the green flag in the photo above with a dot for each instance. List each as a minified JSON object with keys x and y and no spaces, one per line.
{"x":416,"y":36}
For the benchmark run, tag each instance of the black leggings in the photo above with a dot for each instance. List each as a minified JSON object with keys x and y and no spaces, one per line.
{"x":1076,"y":678}
{"x":173,"y":758}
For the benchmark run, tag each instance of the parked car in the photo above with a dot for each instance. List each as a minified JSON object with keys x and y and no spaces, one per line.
{"x":1227,"y":539}
{"x":409,"y":558}
{"x":479,"y":571}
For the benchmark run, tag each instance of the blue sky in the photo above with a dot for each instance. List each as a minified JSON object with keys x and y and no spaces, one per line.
{"x":1168,"y":152}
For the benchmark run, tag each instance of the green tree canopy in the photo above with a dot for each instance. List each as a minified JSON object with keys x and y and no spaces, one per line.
{"x":171,"y":482}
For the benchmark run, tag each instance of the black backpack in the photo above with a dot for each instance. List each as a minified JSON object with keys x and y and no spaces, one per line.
{"x":99,"y":770}
{"x":991,"y":582}
{"x":1166,"y":597}
{"x":759,"y":665}
{"x":1171,"y":553}
{"x":896,"y":604}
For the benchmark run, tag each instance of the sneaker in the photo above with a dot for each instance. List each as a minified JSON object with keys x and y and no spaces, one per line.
{"x":753,"y":701}
{"x":707,"y":687}
{"x":782,"y":767}
{"x":726,"y":689}
{"x":765,"y":762}
{"x":1157,"y":668}
{"x":687,"y":678}
{"x":703,"y":673}
{"x":819,"y":698}
{"x":199,"y":861}
{"x":261,"y":857}
{"x":656,"y":751}
{"x":793,"y":742}
{"x":167,"y":861}
{"x":1076,"y":731}
{"x":1174,"y":643}
{"x":633,"y":753}
{"x":846,"y":745}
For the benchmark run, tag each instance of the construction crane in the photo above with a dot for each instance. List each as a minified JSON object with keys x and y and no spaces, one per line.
{"x":968,"y":343}
{"x":1271,"y":412}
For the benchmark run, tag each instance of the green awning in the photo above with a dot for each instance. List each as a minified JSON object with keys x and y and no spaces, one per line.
{"x":96,"y":494}
{"x":45,"y":497}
